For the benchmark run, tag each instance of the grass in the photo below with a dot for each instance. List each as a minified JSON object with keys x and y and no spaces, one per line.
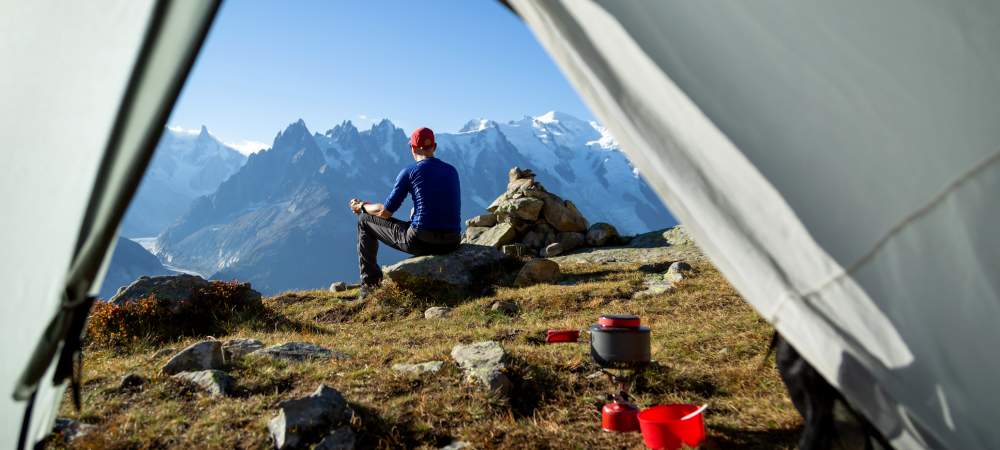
{"x":708,"y":344}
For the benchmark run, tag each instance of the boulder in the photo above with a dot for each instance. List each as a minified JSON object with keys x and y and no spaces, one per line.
{"x":601,"y":234}
{"x":239,"y":347}
{"x":418,"y":369}
{"x":473,"y":233}
{"x":539,"y":236}
{"x":204,"y":355}
{"x":482,"y":220}
{"x":338,"y":286}
{"x":214,"y":382}
{"x":570,"y":240}
{"x":563,"y":215}
{"x":298,"y":352}
{"x":537,"y":271}
{"x":308,"y":420}
{"x":171,"y":289}
{"x":504,"y":307}
{"x":463,"y":271}
{"x":484,"y":363}
{"x":502,"y":233}
{"x":553,"y":249}
{"x":524,"y":208}
{"x":677,"y":271}
{"x":437,"y":312}
{"x":340,"y":439}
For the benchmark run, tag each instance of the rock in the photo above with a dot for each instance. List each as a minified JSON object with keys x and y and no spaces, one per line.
{"x":417,"y":369}
{"x":570,"y":240}
{"x":516,"y":173}
{"x":338,"y":286}
{"x":163,"y":353}
{"x":484,"y":362}
{"x":457,"y":445}
{"x":71,"y":429}
{"x":678,"y":236}
{"x":437,"y":312}
{"x":516,"y":250}
{"x":537,"y":271}
{"x":677,"y":271}
{"x":204,"y":355}
{"x":340,"y":439}
{"x":553,"y":249}
{"x":601,"y":234}
{"x":502,"y":233}
{"x":524,"y":208}
{"x":504,"y":307}
{"x":482,"y":220}
{"x":473,"y":233}
{"x":299,"y":351}
{"x":563,"y":215}
{"x":171,"y":289}
{"x":463,"y":271}
{"x":304,"y":421}
{"x":131,"y":382}
{"x":239,"y":347}
{"x":214,"y":382}
{"x":654,"y":287}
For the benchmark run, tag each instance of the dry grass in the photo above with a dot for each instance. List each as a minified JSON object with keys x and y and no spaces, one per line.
{"x":708,"y":345}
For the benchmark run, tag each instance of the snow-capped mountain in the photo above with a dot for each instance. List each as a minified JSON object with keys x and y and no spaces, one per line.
{"x":282,"y":220}
{"x":187,"y":164}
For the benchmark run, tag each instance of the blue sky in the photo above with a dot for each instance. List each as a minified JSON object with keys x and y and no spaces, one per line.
{"x":418,"y":63}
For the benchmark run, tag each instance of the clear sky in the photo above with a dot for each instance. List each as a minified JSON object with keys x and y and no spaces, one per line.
{"x":435,"y":63}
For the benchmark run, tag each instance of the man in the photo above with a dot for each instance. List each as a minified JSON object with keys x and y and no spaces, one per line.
{"x":435,"y":225}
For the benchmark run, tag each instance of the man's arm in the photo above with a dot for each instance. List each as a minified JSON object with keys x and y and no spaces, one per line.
{"x":374,"y":209}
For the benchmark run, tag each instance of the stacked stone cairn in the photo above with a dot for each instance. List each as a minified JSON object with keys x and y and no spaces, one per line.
{"x":527,"y":220}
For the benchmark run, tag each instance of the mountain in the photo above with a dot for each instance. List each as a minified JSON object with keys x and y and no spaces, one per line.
{"x":129,"y":262}
{"x":282,"y":220}
{"x":186,"y":165}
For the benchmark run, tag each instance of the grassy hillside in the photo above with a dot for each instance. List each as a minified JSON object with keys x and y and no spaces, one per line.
{"x":708,"y":345}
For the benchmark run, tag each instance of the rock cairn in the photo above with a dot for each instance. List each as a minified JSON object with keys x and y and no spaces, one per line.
{"x":528,"y":220}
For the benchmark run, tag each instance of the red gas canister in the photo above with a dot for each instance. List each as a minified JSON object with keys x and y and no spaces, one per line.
{"x":620,"y":417}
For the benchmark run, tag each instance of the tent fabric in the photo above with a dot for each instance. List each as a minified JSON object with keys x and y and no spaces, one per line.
{"x":87,"y":89}
{"x":839,"y":163}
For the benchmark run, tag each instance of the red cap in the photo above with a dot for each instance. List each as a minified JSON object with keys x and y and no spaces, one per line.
{"x":422,"y":138}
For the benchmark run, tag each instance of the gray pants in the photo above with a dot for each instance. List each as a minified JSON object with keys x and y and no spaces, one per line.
{"x":400,"y":236}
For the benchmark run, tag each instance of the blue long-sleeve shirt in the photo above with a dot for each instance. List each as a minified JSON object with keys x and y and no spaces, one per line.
{"x":436,"y":193}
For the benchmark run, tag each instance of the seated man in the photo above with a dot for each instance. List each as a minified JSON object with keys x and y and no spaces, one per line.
{"x":436,"y":219}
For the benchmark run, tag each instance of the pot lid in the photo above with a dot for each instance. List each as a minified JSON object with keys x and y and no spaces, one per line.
{"x":619,"y":321}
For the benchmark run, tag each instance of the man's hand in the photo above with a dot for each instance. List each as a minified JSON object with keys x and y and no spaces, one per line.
{"x":356,"y":205}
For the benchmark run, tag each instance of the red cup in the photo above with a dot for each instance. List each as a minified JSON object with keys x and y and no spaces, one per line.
{"x":662,"y":427}
{"x":557,"y":336}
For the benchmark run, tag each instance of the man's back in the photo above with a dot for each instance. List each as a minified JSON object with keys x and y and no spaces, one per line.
{"x":436,"y":195}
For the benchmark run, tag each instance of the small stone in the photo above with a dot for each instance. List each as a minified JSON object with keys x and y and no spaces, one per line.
{"x":484,"y":363}
{"x":502,"y":233}
{"x":214,"y":382}
{"x":482,"y":220}
{"x":240,"y":347}
{"x":601,"y":234}
{"x":303,"y":421}
{"x":504,"y":307}
{"x":524,"y":208}
{"x":299,"y":351}
{"x":677,"y":270}
{"x":204,"y":355}
{"x":457,"y":445}
{"x":338,"y":286}
{"x":654,"y":287}
{"x":70,"y":429}
{"x":553,"y":249}
{"x":418,"y":369}
{"x":130,"y":382}
{"x":537,"y":271}
{"x":473,"y":233}
{"x":340,"y":439}
{"x":437,"y":312}
{"x":517,"y":250}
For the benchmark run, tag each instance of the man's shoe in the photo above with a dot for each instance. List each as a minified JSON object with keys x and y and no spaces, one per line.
{"x":365,"y":291}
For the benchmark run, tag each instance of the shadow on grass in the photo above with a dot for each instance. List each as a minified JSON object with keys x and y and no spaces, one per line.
{"x":721,"y":437}
{"x":375,"y":431}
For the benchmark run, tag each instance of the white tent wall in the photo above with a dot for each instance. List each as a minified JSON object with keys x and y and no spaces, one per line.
{"x":86,"y":88}
{"x":838,"y":162}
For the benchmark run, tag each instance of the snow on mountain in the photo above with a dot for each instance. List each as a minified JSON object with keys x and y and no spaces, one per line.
{"x":281,"y":220}
{"x":187,"y":164}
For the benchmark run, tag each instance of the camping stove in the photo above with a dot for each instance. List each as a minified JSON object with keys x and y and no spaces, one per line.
{"x":620,"y":345}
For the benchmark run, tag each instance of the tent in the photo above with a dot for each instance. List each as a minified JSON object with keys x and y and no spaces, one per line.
{"x":836,"y":161}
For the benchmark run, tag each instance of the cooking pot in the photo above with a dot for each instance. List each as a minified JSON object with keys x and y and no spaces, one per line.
{"x":619,"y":341}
